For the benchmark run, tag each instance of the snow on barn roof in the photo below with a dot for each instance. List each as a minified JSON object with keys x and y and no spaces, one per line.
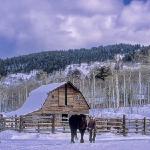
{"x":36,"y":99}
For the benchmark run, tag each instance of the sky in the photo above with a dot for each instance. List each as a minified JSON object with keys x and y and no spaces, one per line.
{"x":30,"y":26}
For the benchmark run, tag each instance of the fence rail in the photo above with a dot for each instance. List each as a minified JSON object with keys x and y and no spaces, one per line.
{"x":52,"y":123}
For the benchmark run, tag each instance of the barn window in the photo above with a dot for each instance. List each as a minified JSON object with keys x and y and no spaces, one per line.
{"x":64,"y":117}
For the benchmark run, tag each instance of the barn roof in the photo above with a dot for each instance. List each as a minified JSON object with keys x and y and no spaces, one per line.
{"x":36,"y":99}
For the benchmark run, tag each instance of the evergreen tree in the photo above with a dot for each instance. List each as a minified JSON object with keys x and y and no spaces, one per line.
{"x":50,"y":61}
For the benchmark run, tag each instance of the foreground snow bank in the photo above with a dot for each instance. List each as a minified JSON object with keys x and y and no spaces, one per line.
{"x":31,"y":141}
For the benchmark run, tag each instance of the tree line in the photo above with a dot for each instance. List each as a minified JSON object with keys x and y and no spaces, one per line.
{"x":50,"y":61}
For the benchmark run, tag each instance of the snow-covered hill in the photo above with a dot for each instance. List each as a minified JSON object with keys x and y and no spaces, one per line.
{"x":95,"y":91}
{"x":14,"y":79}
{"x":85,"y":69}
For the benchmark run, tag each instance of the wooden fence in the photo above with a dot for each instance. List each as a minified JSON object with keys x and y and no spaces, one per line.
{"x":54,"y":123}
{"x":123,"y":125}
{"x":45,"y":124}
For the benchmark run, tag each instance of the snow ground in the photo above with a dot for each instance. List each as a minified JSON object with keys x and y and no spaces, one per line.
{"x":11,"y":140}
{"x":130,"y":112}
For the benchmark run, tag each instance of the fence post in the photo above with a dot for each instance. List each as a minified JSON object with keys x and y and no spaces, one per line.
{"x":144,"y":126}
{"x":136,"y":126}
{"x":12,"y":121}
{"x":1,"y":122}
{"x":15,"y":122}
{"x":20,"y":123}
{"x":124,"y":125}
{"x":53,"y":123}
{"x":107,"y":124}
{"x":38,"y":127}
{"x":4,"y":123}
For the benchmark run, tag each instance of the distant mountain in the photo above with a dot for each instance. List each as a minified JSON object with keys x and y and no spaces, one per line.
{"x":50,"y":61}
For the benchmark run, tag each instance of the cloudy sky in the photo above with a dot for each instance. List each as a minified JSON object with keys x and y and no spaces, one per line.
{"x":28,"y":26}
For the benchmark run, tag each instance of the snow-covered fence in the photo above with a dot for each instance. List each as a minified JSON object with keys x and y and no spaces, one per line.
{"x":138,"y":126}
{"x":37,"y":123}
{"x":52,"y":123}
{"x":49,"y":123}
{"x":30,"y":123}
{"x":8,"y":123}
{"x":123,"y":125}
{"x":109,"y":125}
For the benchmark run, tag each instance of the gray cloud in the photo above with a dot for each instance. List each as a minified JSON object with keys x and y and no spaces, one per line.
{"x":28,"y":26}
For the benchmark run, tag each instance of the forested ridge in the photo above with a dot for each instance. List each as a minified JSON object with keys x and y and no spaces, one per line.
{"x":50,"y":61}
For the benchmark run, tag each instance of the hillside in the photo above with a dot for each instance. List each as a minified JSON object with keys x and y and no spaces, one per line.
{"x":88,"y":69}
{"x":58,"y":60}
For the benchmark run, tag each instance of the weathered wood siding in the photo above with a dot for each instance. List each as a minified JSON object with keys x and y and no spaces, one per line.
{"x":76,"y":100}
{"x":55,"y":102}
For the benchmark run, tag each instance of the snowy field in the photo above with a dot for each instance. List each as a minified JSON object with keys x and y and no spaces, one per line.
{"x":130,"y":112}
{"x":11,"y":140}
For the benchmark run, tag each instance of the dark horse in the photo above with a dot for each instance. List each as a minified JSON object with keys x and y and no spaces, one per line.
{"x":77,"y":122}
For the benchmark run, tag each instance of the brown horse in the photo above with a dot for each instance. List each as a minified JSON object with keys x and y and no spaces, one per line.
{"x":77,"y":122}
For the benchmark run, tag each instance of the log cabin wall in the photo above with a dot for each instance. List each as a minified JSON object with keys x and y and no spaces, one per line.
{"x":76,"y":100}
{"x":65,"y":99}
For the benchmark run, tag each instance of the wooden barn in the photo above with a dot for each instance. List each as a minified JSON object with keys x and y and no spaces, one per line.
{"x":62,"y":99}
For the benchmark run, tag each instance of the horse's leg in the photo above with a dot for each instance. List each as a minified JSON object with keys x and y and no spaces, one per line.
{"x":82,"y":134}
{"x":90,"y":136}
{"x":76,"y":137}
{"x":94,"y":136}
{"x":72,"y":136}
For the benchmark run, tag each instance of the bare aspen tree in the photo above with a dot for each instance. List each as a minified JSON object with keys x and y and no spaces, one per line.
{"x":93,"y":89}
{"x":148,"y":96}
{"x":118,"y":62}
{"x":19,"y":97}
{"x":113,"y":91}
{"x":140,"y":87}
{"x":124,"y":89}
{"x":117,"y":90}
{"x":83,"y":85}
{"x":109,"y":94}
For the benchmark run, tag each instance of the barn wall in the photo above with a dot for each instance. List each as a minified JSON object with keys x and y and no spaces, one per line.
{"x":61,"y":96}
{"x":76,"y":100}
{"x":55,"y":103}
